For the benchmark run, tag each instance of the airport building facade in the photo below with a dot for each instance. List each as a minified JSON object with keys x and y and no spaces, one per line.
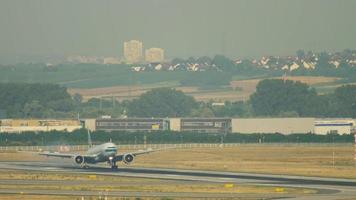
{"x":226,"y":125}
{"x":337,"y":126}
{"x":38,"y":125}
{"x":273,"y":125}
{"x":207,"y":125}
{"x":132,"y":124}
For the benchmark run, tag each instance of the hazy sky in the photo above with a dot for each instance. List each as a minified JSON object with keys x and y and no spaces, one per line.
{"x":237,"y":28}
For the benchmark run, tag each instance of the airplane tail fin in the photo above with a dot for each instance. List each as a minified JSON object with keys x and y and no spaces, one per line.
{"x":89,"y":140}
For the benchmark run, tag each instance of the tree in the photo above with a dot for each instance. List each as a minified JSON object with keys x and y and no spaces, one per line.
{"x":63,"y":105}
{"x":27,"y":100}
{"x":177,"y":61}
{"x":345,"y":97}
{"x":300,"y":54}
{"x":191,"y":60}
{"x":33,"y":109}
{"x":204,"y":60}
{"x":232,"y":109}
{"x":288,"y":114}
{"x":203,"y":112}
{"x":323,"y":66}
{"x":274,"y":97}
{"x":223,"y":62}
{"x":162,"y":102}
{"x":77,"y":98}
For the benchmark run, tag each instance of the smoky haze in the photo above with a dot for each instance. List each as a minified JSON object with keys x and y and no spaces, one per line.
{"x":237,"y":28}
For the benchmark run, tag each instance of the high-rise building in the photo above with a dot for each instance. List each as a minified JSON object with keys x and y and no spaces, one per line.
{"x":133,"y":51}
{"x":154,"y":55}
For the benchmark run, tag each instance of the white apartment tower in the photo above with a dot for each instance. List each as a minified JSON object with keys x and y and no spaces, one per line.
{"x":154,"y":55}
{"x":133,"y":51}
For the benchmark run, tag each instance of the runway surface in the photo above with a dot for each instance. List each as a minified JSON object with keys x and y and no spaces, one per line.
{"x":328,"y":188}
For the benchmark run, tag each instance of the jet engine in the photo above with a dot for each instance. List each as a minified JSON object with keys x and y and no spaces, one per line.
{"x":128,"y":158}
{"x":79,"y":160}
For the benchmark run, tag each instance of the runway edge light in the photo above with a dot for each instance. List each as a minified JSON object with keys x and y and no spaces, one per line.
{"x":229,"y":185}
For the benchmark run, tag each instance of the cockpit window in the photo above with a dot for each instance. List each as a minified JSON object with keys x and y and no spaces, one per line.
{"x":110,"y":150}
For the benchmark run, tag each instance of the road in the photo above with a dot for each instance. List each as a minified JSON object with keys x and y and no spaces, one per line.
{"x":328,"y":188}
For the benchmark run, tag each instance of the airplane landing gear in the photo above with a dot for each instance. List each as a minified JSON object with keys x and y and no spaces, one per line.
{"x":84,"y":166}
{"x":113,"y":165}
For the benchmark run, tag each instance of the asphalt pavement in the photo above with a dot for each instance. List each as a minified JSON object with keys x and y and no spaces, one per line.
{"x":328,"y":188}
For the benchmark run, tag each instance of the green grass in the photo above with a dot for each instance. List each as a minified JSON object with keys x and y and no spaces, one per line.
{"x":127,"y":78}
{"x":327,"y":88}
{"x":245,"y":77}
{"x":85,"y":76}
{"x":93,"y":75}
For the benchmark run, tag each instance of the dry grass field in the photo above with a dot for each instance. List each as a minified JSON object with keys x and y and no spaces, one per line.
{"x":247,"y":87}
{"x":239,"y":90}
{"x":36,"y":197}
{"x":308,"y":160}
{"x":131,"y":92}
{"x":119,"y":92}
{"x":30,"y":180}
{"x":311,"y":80}
{"x":325,"y":160}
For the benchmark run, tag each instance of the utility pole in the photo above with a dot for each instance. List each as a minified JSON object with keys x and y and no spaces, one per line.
{"x":354,"y":132}
{"x":333,"y":152}
{"x":225,"y":124}
{"x":145,"y":141}
{"x":113,"y":101}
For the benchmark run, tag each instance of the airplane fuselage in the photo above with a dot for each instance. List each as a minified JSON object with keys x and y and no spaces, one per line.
{"x":103,"y":153}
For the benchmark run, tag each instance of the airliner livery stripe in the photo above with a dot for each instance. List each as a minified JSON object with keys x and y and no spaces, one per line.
{"x":349,"y":124}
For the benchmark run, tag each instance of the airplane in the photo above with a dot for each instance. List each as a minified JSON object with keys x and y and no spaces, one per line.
{"x":107,"y":152}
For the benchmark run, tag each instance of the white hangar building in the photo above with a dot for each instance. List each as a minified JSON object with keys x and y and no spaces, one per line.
{"x":273,"y":125}
{"x":339,"y":126}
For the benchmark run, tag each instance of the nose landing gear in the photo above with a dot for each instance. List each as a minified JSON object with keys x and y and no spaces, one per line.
{"x":113,"y":165}
{"x":84,"y":166}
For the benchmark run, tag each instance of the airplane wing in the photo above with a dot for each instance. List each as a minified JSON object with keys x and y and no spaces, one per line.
{"x":139,"y":152}
{"x":57,"y":154}
{"x":120,"y":157}
{"x":66,"y":155}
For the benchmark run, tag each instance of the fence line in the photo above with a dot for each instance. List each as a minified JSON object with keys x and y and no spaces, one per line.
{"x":65,"y":148}
{"x":125,"y":146}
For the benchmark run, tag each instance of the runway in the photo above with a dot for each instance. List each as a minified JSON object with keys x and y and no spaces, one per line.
{"x":328,"y":188}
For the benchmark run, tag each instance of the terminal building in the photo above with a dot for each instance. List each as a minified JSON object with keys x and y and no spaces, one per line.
{"x":227,"y":125}
{"x":205,"y":125}
{"x":208,"y":125}
{"x":38,"y":125}
{"x":132,"y":124}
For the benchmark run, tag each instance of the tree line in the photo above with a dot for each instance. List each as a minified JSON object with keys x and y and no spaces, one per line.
{"x":21,"y":100}
{"x":273,"y":98}
{"x":163,"y":137}
{"x":283,"y":98}
{"x":323,"y":63}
